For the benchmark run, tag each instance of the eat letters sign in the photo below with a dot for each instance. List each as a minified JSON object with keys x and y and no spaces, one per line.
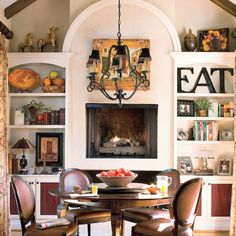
{"x":207,"y":78}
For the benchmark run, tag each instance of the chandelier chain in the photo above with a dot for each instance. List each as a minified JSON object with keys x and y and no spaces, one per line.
{"x":119,"y":23}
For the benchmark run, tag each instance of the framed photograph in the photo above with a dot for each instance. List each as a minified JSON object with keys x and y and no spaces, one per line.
{"x":226,"y":135}
{"x":182,"y":134}
{"x":214,"y":40}
{"x":49,"y":147}
{"x":184,"y":165}
{"x":224,"y":166}
{"x":135,"y":46}
{"x":185,"y":108}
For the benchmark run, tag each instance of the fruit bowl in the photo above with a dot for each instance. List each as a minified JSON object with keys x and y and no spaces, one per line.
{"x":117,"y":181}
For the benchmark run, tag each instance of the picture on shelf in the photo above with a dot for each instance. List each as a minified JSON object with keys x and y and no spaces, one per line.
{"x":182,"y":134}
{"x":224,"y":166}
{"x":49,"y":147}
{"x":226,"y":135}
{"x":185,"y":108}
{"x":214,"y":40}
{"x":184,"y":165}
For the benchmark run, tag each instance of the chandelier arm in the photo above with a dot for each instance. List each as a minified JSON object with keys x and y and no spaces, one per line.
{"x":93,"y":84}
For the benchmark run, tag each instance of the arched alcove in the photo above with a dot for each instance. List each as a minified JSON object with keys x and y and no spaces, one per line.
{"x":139,"y":20}
{"x":106,"y":3}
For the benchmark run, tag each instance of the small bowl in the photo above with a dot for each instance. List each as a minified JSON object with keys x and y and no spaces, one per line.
{"x":117,"y":181}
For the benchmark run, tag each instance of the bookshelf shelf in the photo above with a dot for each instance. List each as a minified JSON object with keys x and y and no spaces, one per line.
{"x":205,"y":118}
{"x":53,"y":119}
{"x":36,"y":126}
{"x":37,"y":94}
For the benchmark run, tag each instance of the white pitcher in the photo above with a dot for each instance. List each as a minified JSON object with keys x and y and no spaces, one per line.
{"x":163,"y":182}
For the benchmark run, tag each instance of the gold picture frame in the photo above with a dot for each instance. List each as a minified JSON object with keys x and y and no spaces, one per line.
{"x":135,"y":46}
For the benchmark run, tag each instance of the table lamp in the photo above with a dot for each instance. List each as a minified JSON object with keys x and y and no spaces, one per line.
{"x":22,"y":144}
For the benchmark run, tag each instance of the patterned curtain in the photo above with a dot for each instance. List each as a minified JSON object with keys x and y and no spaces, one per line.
{"x":4,"y":203}
{"x":233,"y":202}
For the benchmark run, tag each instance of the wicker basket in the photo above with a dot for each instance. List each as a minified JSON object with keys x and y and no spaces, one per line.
{"x":53,"y":89}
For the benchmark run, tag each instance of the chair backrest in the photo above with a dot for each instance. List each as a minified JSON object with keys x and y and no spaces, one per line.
{"x":25,"y":200}
{"x":71,"y":177}
{"x":185,"y":202}
{"x":175,"y":176}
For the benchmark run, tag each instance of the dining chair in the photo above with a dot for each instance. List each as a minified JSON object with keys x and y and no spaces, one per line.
{"x":184,"y":212}
{"x":137,"y":215}
{"x":25,"y":202}
{"x":81,"y":213}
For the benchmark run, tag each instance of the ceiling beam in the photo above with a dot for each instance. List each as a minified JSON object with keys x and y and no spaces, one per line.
{"x":226,"y":5}
{"x":16,"y":7}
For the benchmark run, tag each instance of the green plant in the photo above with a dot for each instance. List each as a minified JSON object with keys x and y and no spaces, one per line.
{"x":39,"y":106}
{"x":203,"y":104}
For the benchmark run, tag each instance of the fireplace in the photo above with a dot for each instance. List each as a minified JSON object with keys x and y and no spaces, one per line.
{"x":127,"y":132}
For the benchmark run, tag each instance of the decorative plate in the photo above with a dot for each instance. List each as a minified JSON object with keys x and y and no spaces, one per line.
{"x":24,"y":79}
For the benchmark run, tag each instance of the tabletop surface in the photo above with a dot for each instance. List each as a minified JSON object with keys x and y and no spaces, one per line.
{"x":135,"y":191}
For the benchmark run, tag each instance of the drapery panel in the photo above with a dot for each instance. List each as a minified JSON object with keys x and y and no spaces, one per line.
{"x":4,"y":202}
{"x":233,"y":202}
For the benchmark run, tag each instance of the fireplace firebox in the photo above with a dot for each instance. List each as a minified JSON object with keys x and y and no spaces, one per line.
{"x":126,"y":132}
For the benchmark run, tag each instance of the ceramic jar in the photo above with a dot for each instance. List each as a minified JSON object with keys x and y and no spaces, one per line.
{"x":190,"y":41}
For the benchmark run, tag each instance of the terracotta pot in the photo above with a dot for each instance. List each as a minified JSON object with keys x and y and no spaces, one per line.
{"x":202,"y":113}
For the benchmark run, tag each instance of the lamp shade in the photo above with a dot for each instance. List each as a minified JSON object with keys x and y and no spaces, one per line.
{"x":22,"y":144}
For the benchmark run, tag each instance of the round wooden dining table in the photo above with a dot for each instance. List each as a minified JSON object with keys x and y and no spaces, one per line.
{"x":117,"y":199}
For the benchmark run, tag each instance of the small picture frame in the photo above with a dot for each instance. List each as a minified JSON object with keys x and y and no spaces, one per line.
{"x":226,"y":135}
{"x":184,"y":165}
{"x":185,"y":108}
{"x":224,"y":166}
{"x":182,"y":134}
{"x":214,"y":40}
{"x":49,"y":146}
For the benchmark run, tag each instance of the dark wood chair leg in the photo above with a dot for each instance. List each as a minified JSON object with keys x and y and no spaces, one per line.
{"x":89,"y":229}
{"x":122,"y":228}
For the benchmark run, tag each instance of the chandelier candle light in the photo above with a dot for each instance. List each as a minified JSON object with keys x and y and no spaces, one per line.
{"x":118,"y":61}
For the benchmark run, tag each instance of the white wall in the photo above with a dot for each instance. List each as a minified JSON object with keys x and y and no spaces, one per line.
{"x":142,"y":24}
{"x":136,"y":23}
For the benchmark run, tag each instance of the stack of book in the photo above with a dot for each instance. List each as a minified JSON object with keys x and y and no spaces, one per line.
{"x":54,"y":117}
{"x":205,"y":131}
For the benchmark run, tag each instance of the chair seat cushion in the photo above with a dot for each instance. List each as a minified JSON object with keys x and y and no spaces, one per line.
{"x":141,"y":214}
{"x":160,"y":227}
{"x":88,"y":215}
{"x":67,"y":230}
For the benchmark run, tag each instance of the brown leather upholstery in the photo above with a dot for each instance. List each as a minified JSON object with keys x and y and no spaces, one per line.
{"x":25,"y":202}
{"x":137,"y":215}
{"x":184,"y":210}
{"x":82,"y":214}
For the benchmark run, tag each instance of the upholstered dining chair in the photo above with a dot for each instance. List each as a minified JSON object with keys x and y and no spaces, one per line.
{"x":137,"y":215}
{"x":25,"y":201}
{"x":81,"y":213}
{"x":184,"y":211}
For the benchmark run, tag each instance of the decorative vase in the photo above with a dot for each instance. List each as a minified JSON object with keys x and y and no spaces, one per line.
{"x":190,"y":41}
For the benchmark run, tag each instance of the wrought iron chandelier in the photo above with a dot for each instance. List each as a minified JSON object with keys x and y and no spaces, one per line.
{"x":118,"y":62}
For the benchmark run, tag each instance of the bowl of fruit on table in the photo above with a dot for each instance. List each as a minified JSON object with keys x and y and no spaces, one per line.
{"x":117,"y":178}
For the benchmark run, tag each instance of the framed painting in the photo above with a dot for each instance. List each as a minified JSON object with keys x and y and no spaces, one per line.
{"x":214,"y":40}
{"x":135,"y":46}
{"x":49,"y":147}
